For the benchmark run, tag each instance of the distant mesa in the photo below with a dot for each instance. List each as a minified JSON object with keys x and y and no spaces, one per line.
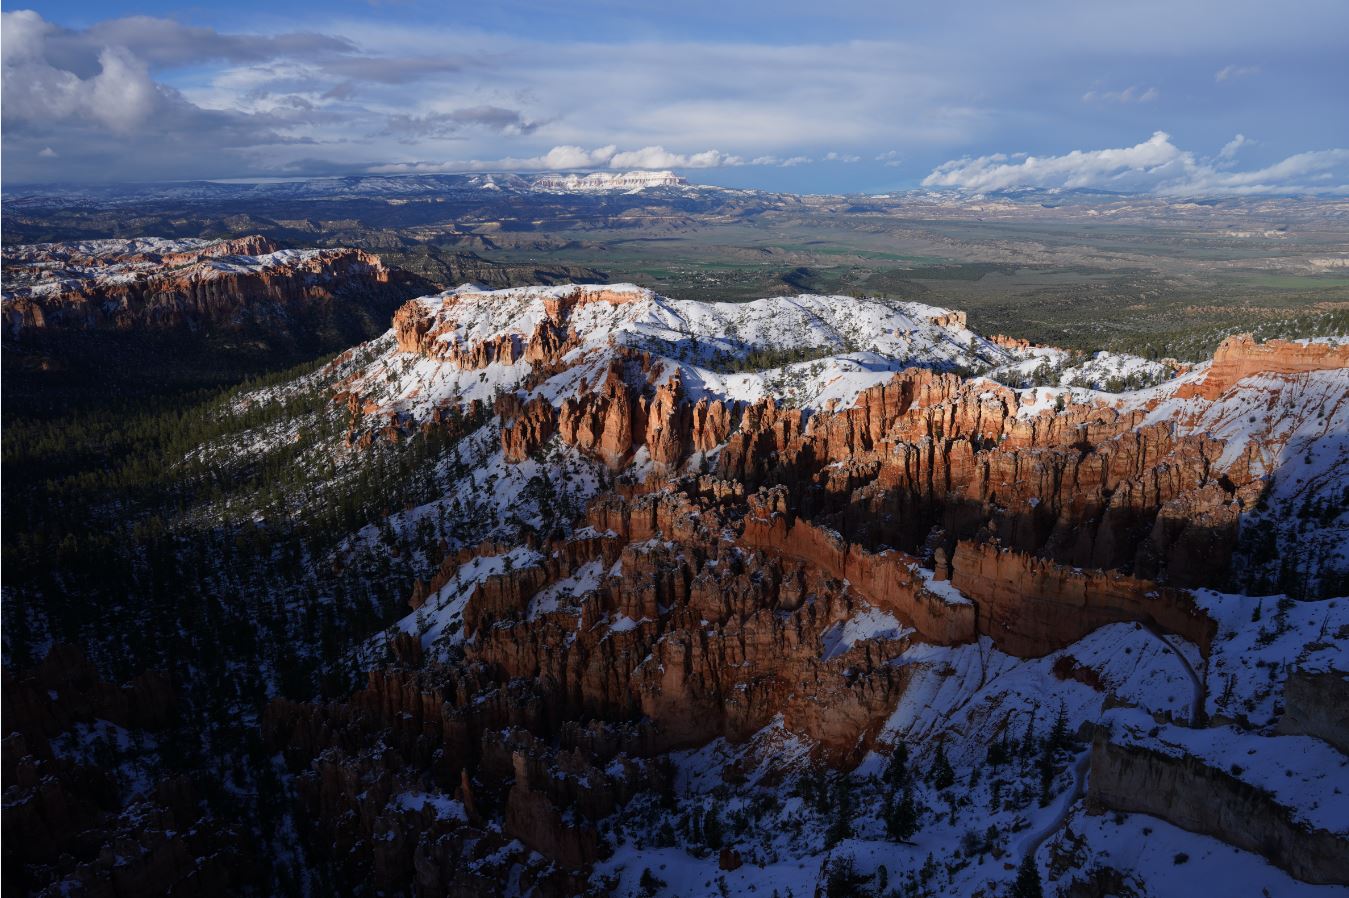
{"x":197,"y":285}
{"x":600,"y":181}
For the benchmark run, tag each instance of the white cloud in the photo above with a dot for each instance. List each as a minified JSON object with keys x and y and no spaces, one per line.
{"x":119,"y":97}
{"x":574,"y":158}
{"x":1229,"y":150}
{"x":1156,"y":165}
{"x":1227,"y":73}
{"x":1131,"y":94}
{"x":891,"y":158}
{"x":146,"y":97}
{"x":841,"y":157}
{"x":659,"y":157}
{"x":47,"y":153}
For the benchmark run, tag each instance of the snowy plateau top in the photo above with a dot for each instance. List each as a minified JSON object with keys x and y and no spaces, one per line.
{"x":605,"y":181}
{"x":821,"y":348}
{"x":51,"y":269}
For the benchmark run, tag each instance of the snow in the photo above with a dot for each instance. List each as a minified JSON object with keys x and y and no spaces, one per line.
{"x":445,"y":808}
{"x":1301,"y":773}
{"x":559,"y":594}
{"x":606,"y":181}
{"x":962,"y":698}
{"x":92,"y":743}
{"x":440,"y":619}
{"x":872,"y":623}
{"x":976,"y":691}
{"x":47,"y":269}
{"x":1148,"y":849}
{"x":941,"y":588}
{"x":1251,"y":659}
{"x":622,"y":624}
{"x":859,"y":343}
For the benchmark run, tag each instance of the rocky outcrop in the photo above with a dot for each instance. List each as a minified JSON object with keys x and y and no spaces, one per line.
{"x":1086,"y":486}
{"x":605,"y":421}
{"x":696,"y":606}
{"x":525,"y":426}
{"x":1030,"y":606}
{"x":430,"y":327}
{"x":227,"y":286}
{"x":1191,"y":794}
{"x":1241,"y":356}
{"x":1316,"y":703}
{"x":888,"y":580}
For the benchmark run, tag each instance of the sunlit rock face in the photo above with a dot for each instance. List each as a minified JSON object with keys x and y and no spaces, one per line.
{"x":811,"y":522}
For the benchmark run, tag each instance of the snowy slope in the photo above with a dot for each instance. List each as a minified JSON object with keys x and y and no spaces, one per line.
{"x":850,"y":345}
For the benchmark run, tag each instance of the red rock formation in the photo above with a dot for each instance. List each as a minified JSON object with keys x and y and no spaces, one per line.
{"x":1007,"y":342}
{"x":604,"y":422}
{"x":427,"y":327}
{"x":1240,"y":356}
{"x":1030,"y":606}
{"x":525,"y":426}
{"x":194,"y":290}
{"x":950,"y":319}
{"x":669,"y":424}
{"x":887,"y":580}
{"x":718,"y":597}
{"x":711,"y":424}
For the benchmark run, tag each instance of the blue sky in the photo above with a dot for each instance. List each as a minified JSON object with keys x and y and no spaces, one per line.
{"x":1171,"y":96}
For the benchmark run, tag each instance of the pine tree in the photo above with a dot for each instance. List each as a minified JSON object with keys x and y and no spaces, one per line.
{"x":1058,"y":735}
{"x":1027,"y":884}
{"x":897,"y":771}
{"x":901,"y":817}
{"x":843,"y":880}
{"x":943,"y":777}
{"x":840,"y":826}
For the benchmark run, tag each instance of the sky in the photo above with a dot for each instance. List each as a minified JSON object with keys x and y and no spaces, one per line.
{"x":1177,"y":97}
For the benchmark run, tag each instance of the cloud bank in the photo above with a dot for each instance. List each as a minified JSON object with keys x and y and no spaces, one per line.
{"x":776,"y":95}
{"x":1154,"y":166}
{"x":574,"y":158}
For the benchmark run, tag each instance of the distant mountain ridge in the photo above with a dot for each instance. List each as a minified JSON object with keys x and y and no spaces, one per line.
{"x":358,"y":187}
{"x":633,"y":180}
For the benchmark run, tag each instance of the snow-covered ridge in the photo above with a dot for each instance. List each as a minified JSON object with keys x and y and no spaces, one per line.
{"x":48,"y":269}
{"x":804,"y":350}
{"x":601,"y":181}
{"x":104,"y":249}
{"x":704,"y":332}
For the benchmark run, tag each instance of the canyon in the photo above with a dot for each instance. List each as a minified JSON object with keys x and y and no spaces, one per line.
{"x":697,"y":611}
{"x":765,"y":566}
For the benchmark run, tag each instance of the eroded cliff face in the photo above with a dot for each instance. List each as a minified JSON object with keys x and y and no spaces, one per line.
{"x":227,"y":286}
{"x":432,"y":327}
{"x":1241,"y":356}
{"x":1197,"y":796}
{"x":714,"y":588}
{"x":1031,"y":606}
{"x":1316,"y":703}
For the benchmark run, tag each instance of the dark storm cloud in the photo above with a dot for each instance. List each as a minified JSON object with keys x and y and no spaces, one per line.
{"x":164,"y":43}
{"x":445,"y":124}
{"x":390,"y":69}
